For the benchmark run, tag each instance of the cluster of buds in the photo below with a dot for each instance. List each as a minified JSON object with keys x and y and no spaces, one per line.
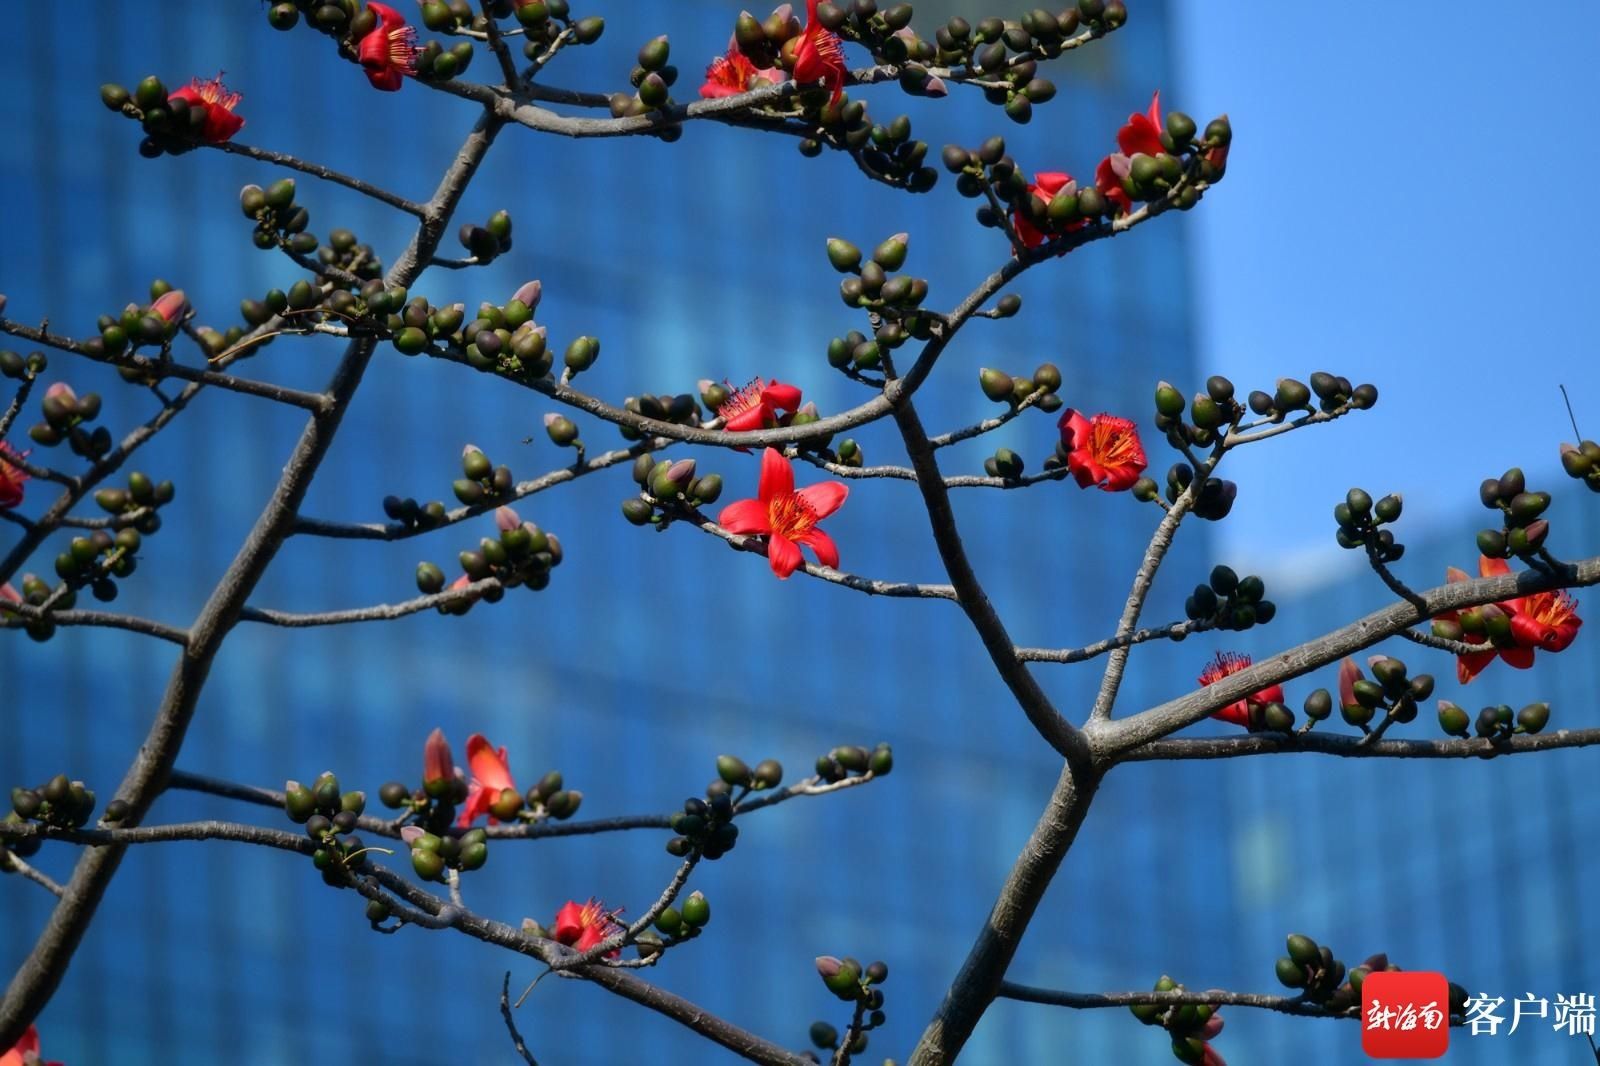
{"x":522,"y":555}
{"x":330,"y":817}
{"x":352,"y":24}
{"x":66,"y":419}
{"x":280,"y":222}
{"x":482,"y":480}
{"x":1213,"y":501}
{"x":60,"y":801}
{"x":1228,"y":601}
{"x":543,"y":21}
{"x":873,"y":286}
{"x":665,"y":481}
{"x":677,"y":924}
{"x":36,"y":592}
{"x":1524,"y":531}
{"x":849,"y":759}
{"x":153,"y":324}
{"x":500,"y":338}
{"x":174,"y":122}
{"x":1012,"y":81}
{"x":22,"y":367}
{"x":1324,"y":980}
{"x":680,"y":409}
{"x":1359,"y":519}
{"x":96,"y":559}
{"x":432,"y":853}
{"x":1190,"y":1025}
{"x":853,"y":983}
{"x":1582,"y":461}
{"x":488,"y":241}
{"x":989,"y":167}
{"x":412,"y":515}
{"x":652,"y":80}
{"x":1390,"y":691}
{"x":1494,"y":723}
{"x":1013,"y":390}
{"x":707,"y":824}
{"x":1211,"y":414}
{"x":1334,"y":396}
{"x":137,"y":505}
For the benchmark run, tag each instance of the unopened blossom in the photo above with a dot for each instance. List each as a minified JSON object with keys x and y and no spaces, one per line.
{"x":1103,"y":450}
{"x":1510,"y":629}
{"x":581,"y":926}
{"x":438,"y":764}
{"x":170,"y":306}
{"x":819,"y":56}
{"x":12,"y":477}
{"x":388,"y":53}
{"x":1238,"y":712}
{"x":491,"y":779}
{"x":787,"y":518}
{"x":215,"y":102}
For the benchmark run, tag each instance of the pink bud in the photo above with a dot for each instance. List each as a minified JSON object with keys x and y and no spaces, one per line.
{"x":551,"y":416}
{"x":808,"y":408}
{"x":828,"y":966}
{"x":468,"y":449}
{"x":170,"y":306}
{"x":437,"y":762}
{"x":290,"y":786}
{"x":703,"y":384}
{"x":505,"y":519}
{"x":411,"y":834}
{"x":681,"y":471}
{"x":529,"y":294}
{"x":62,"y":390}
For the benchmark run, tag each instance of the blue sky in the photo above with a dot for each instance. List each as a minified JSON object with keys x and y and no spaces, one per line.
{"x":1406,"y":203}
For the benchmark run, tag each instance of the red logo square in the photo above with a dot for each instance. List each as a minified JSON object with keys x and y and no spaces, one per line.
{"x":1405,"y":1015}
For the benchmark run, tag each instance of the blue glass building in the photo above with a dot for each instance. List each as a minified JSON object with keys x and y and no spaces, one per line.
{"x":649,"y":655}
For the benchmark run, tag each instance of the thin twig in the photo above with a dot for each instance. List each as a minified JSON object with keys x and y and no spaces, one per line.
{"x":10,"y":862}
{"x":511,"y":1025}
{"x":317,"y":170}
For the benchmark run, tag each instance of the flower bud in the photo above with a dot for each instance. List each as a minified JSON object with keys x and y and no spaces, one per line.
{"x":582,"y":353}
{"x":298,"y":802}
{"x":997,"y":385}
{"x":696,"y":910}
{"x":1533,"y":717}
{"x":891,"y":254}
{"x":1319,"y":705}
{"x":1169,"y":401}
{"x":1291,"y":395}
{"x":733,"y":770}
{"x":845,"y":257}
{"x":842,"y":976}
{"x":561,"y":430}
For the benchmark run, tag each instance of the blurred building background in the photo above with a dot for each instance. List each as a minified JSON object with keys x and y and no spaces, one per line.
{"x":649,"y":655}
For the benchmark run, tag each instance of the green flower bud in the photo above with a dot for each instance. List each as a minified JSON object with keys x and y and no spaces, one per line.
{"x":1388,"y":508}
{"x":767,"y":774}
{"x":1533,"y":717}
{"x":1291,"y":395}
{"x":733,"y":770}
{"x":582,"y":353}
{"x":1290,"y":974}
{"x":637,"y":511}
{"x":428,"y":864}
{"x":1169,"y":401}
{"x":1303,"y":951}
{"x":845,"y":257}
{"x":997,"y":385}
{"x":891,"y":254}
{"x":824,"y":1036}
{"x":1319,"y":705}
{"x":298,"y":802}
{"x":696,"y":910}
{"x":881,"y":762}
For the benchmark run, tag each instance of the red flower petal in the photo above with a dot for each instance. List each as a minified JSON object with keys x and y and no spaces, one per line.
{"x":783,"y":555}
{"x":1521,"y":658}
{"x":825,"y":497}
{"x":745,"y":516}
{"x":823,"y":545}
{"x":777,"y":476}
{"x":783,"y":397}
{"x":488,"y":765}
{"x":1471,"y":665}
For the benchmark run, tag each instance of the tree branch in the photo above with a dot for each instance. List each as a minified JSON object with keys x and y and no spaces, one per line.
{"x":1180,"y":748}
{"x":317,"y":170}
{"x":1294,"y":1005}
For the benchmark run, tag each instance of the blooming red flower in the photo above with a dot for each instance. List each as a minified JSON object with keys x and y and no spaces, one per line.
{"x":491,"y":778}
{"x":757,"y":405}
{"x":215,"y":101}
{"x":12,"y":477}
{"x":583,"y":925}
{"x":388,"y":53}
{"x":1103,"y":450}
{"x":1141,"y":133}
{"x":438,"y":764}
{"x":731,"y":74}
{"x":819,"y":56}
{"x":1046,"y":186}
{"x":25,"y":1052}
{"x":787,"y":518}
{"x":1238,"y":712}
{"x":1510,"y":629}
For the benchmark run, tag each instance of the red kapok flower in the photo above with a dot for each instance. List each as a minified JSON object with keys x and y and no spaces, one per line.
{"x":757,"y":405}
{"x":787,"y":518}
{"x":819,"y":55}
{"x":491,"y":778}
{"x":731,"y":74}
{"x":388,"y":53}
{"x":215,"y":102}
{"x":1141,"y":133}
{"x":12,"y":477}
{"x":1103,"y":450}
{"x":438,"y":764}
{"x":583,"y":925}
{"x":1238,"y":712}
{"x":1511,"y":629}
{"x":25,"y":1052}
{"x":1046,"y":185}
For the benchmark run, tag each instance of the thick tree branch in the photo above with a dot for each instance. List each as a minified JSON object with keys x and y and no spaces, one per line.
{"x":1114,"y":740}
{"x":1295,"y":1005}
{"x":1355,"y":747}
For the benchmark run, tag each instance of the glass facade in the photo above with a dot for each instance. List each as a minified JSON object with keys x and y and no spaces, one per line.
{"x":649,"y":655}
